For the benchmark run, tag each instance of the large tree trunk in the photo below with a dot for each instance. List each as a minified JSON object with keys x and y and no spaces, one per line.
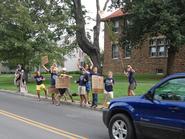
{"x":26,"y":72}
{"x":170,"y":62}
{"x":91,"y":49}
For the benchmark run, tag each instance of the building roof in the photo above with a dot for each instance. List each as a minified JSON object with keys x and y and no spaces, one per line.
{"x":117,"y":13}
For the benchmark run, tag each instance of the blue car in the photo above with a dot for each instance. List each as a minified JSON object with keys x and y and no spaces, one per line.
{"x":158,"y":114}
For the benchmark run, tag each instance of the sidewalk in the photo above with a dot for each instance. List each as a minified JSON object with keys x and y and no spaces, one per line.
{"x":68,"y":102}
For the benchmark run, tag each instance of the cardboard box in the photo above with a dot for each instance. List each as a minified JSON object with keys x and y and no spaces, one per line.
{"x":97,"y":84}
{"x":63,"y":82}
{"x":44,"y":60}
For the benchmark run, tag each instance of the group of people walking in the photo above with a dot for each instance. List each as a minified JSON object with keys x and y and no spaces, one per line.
{"x":84,"y":84}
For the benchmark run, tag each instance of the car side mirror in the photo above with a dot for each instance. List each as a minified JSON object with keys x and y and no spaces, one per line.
{"x":149,"y":96}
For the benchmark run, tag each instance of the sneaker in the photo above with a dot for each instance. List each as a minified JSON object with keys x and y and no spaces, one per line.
{"x":86,"y":105}
{"x":102,"y":107}
{"x":58,"y":104}
{"x":94,"y":106}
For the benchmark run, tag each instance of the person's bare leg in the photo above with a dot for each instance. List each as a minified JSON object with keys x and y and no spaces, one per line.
{"x":58,"y":97}
{"x":132,"y":93}
{"x":69,"y":94}
{"x":71,"y":97}
{"x":105,"y":100}
{"x":53,"y":98}
{"x":129,"y":91}
{"x":18,"y":86}
{"x":38,"y":94}
{"x":85,"y":99}
{"x":81,"y":100}
{"x":64,"y":97}
{"x":45,"y":92}
{"x":88,"y":99}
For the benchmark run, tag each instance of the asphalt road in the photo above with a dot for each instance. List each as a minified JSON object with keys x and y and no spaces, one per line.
{"x":26,"y":118}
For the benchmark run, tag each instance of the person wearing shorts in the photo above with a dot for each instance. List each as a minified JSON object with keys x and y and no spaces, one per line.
{"x":109,"y":82}
{"x":54,"y":74}
{"x":132,"y":85}
{"x":132,"y":82}
{"x":39,"y":84}
{"x":88,"y":69}
{"x":82,"y":88}
{"x":60,"y":93}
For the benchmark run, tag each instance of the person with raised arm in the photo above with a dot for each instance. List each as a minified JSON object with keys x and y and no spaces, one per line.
{"x":132,"y":82}
{"x":88,"y":69}
{"x":39,"y":84}
{"x":83,"y":79}
{"x":54,"y":74}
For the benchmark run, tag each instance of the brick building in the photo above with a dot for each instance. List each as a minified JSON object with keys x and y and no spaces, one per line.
{"x":151,"y":57}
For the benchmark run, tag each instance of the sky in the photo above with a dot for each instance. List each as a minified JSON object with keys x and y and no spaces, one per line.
{"x":90,"y":6}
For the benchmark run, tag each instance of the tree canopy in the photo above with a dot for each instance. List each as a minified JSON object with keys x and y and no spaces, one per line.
{"x":150,"y":18}
{"x":29,"y":28}
{"x":154,"y":17}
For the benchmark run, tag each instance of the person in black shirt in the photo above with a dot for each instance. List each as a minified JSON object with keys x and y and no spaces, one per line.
{"x":84,"y":78}
{"x":54,"y":73}
{"x":88,"y":68}
{"x":109,"y":83}
{"x":132,"y":82}
{"x":39,"y":84}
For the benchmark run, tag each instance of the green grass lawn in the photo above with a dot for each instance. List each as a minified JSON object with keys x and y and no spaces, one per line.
{"x":145,"y":82}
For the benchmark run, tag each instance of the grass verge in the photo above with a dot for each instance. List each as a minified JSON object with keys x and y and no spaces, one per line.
{"x":145,"y":82}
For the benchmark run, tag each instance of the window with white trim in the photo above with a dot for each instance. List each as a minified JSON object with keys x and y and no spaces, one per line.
{"x":115,"y":27}
{"x":161,"y":51}
{"x":127,"y":52}
{"x":153,"y":51}
{"x":115,"y":51}
{"x":158,"y":47}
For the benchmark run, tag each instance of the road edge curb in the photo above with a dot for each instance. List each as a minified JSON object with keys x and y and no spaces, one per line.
{"x":77,"y":104}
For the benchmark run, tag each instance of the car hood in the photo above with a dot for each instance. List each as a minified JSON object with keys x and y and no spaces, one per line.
{"x":127,"y":99}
